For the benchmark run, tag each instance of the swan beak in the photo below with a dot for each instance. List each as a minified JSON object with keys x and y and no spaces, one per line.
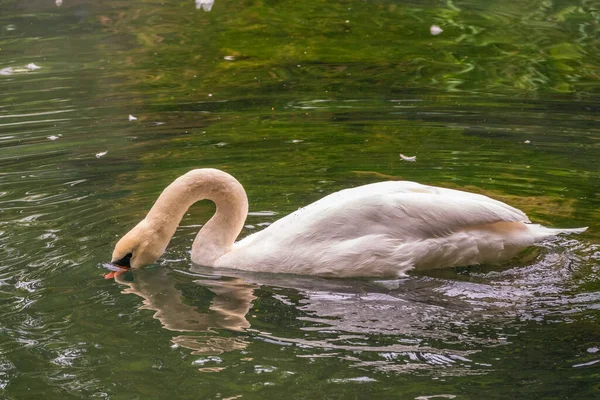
{"x":119,"y":267}
{"x":114,"y":274}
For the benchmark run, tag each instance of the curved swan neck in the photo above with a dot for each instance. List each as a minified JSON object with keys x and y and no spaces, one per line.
{"x":219,"y":233}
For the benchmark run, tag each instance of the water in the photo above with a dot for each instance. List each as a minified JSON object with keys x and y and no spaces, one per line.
{"x":297,"y":100}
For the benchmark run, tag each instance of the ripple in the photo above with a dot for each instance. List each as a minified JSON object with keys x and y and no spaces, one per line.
{"x":66,"y":332}
{"x":6,"y":370}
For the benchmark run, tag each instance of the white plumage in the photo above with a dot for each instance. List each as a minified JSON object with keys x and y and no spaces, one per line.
{"x":378,"y":230}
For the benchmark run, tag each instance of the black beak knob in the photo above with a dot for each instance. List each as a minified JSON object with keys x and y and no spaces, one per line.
{"x":124,"y":262}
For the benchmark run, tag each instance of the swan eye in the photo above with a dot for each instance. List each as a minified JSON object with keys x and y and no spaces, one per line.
{"x":125,"y":261}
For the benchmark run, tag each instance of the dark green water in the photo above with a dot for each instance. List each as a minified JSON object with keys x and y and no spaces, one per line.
{"x":297,"y":100}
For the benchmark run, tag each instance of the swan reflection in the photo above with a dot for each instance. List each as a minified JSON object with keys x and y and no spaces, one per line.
{"x":414,"y":323}
{"x":232,"y":300}
{"x":347,"y":311}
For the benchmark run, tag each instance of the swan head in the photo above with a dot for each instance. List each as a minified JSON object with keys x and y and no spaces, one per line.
{"x":141,"y":246}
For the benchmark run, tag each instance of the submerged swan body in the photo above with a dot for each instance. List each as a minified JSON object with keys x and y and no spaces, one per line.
{"x":378,"y":230}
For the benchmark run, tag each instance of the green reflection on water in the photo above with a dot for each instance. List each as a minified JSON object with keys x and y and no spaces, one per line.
{"x":313,"y":97}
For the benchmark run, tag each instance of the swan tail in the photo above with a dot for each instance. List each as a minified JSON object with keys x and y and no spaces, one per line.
{"x":542,"y":232}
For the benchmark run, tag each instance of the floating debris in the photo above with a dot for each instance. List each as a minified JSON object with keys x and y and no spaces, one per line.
{"x":360,"y":379}
{"x":436,"y":396}
{"x":527,"y":141}
{"x":206,"y":5}
{"x":6,"y":71}
{"x":407,"y":158}
{"x":202,"y":361}
{"x":52,"y":137}
{"x":229,"y":58}
{"x":435,"y":30}
{"x":33,"y":67}
{"x":221,"y":144}
{"x":132,"y":118}
{"x":264,"y":224}
{"x":587,"y":364}
{"x":58,"y":3}
{"x":262,"y":213}
{"x":102,"y":153}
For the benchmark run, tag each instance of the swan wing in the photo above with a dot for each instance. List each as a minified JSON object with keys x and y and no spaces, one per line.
{"x":396,"y":187}
{"x":423,"y":215}
{"x":401,"y":210}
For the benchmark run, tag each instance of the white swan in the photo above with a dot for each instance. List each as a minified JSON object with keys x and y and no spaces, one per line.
{"x":377,"y":230}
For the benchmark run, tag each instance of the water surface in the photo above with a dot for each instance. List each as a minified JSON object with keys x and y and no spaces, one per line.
{"x":297,"y":100}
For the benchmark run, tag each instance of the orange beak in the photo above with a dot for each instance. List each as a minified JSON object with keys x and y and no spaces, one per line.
{"x":114,"y":274}
{"x":115,"y":270}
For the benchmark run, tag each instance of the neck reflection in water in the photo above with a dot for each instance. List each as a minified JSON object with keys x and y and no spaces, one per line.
{"x":232,"y":300}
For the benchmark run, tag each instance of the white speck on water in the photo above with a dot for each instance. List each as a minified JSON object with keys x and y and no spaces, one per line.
{"x":593,"y":350}
{"x":10,"y":28}
{"x":408,"y":158}
{"x":229,"y":58}
{"x":436,"y":396}
{"x":259,"y":369}
{"x":221,"y":144}
{"x":101,"y":154}
{"x":262,"y":213}
{"x":484,"y":364}
{"x":6,"y":71}
{"x":210,"y":95}
{"x":206,"y":5}
{"x":202,"y":361}
{"x":58,"y":3}
{"x":33,"y":67}
{"x":435,"y":30}
{"x":347,"y":21}
{"x":587,"y":364}
{"x":132,"y":118}
{"x":527,"y":141}
{"x":249,"y":227}
{"x":52,"y":137}
{"x":360,"y":379}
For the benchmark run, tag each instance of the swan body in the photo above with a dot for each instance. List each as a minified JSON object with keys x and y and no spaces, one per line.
{"x":378,"y":230}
